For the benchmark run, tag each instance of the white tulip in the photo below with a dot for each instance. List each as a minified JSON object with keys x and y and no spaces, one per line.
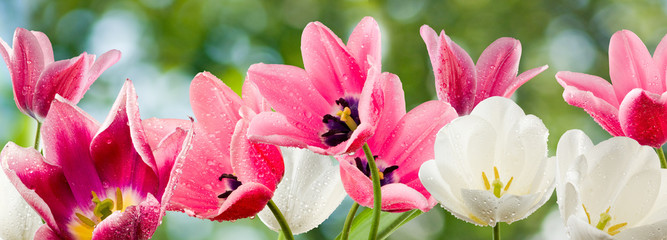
{"x":491,"y":166}
{"x":613,"y":190}
{"x":309,"y":192}
{"x":17,"y":219}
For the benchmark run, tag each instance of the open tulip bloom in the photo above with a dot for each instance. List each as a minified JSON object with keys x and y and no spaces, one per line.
{"x":332,"y":106}
{"x":400,"y":145}
{"x":634,"y":104}
{"x":308,"y":193}
{"x":36,"y":78}
{"x":613,"y":190}
{"x":225,"y":176}
{"x":491,"y":166}
{"x":463,"y":84}
{"x":95,"y":181}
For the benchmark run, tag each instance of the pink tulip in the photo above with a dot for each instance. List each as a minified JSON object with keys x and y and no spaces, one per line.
{"x":462,"y":84}
{"x":224,"y":176}
{"x":635,"y":103}
{"x":99,"y":181}
{"x":400,"y":145}
{"x":310,"y":104}
{"x":37,"y":79}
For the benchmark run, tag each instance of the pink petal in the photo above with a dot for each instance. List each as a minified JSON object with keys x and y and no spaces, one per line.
{"x":25,"y":68}
{"x":643,"y":117}
{"x":253,"y":98}
{"x":45,"y":45}
{"x":275,"y":128}
{"x":105,"y":61}
{"x":599,"y":87}
{"x":364,"y":44}
{"x":453,"y":69}
{"x":391,"y":109}
{"x":660,"y":60}
{"x":603,"y":112}
{"x":63,"y":77}
{"x":357,"y":185}
{"x":136,"y":222}
{"x":67,"y":134}
{"x":497,"y":67}
{"x":216,"y":107}
{"x":398,"y":197}
{"x":255,"y":162}
{"x":245,"y":201}
{"x":120,"y":150}
{"x":631,"y":65}
{"x":333,"y":70}
{"x":166,"y":154}
{"x":290,"y":91}
{"x":158,"y":128}
{"x":523,"y":78}
{"x":45,"y":233}
{"x":42,"y":185}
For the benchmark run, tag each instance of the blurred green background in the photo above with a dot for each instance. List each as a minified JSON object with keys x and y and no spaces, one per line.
{"x":166,"y":42}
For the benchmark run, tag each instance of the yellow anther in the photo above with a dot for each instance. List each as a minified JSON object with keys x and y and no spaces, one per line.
{"x":345,"y":117}
{"x":508,"y":184}
{"x":607,"y":209}
{"x":486,"y":181}
{"x":119,"y":200}
{"x":613,"y":230}
{"x":587,"y":214}
{"x":495,"y":172}
{"x":85,"y":220}
{"x":381,"y":175}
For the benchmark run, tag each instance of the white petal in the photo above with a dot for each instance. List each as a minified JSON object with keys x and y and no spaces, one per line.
{"x":442,"y":191}
{"x":17,"y":219}
{"x":581,"y":230}
{"x":637,"y":197}
{"x":482,"y":205}
{"x":501,"y":112}
{"x":512,"y":208}
{"x":310,"y":191}
{"x":571,"y":145}
{"x":659,"y":211}
{"x":525,"y":156}
{"x":654,"y":231}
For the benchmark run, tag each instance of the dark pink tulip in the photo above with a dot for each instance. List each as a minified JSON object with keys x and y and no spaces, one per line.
{"x":461,"y":83}
{"x":37,"y":79}
{"x":224,"y":176}
{"x":99,"y":181}
{"x":310,"y":103}
{"x":635,"y":103}
{"x":400,"y":145}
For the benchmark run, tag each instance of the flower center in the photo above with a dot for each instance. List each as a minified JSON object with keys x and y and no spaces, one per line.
{"x":83,"y":225}
{"x":497,"y":184}
{"x":340,"y":127}
{"x":387,"y":175}
{"x":605,"y":218}
{"x":231,"y":182}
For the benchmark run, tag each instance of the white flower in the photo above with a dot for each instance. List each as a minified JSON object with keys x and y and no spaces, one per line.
{"x":17,"y":219}
{"x":491,"y":166}
{"x":309,"y":192}
{"x":613,"y":190}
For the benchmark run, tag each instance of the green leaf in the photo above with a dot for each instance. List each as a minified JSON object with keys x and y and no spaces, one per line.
{"x":389,"y":222}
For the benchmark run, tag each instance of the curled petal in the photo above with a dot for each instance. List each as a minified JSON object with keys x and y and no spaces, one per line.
{"x":64,"y":77}
{"x":643,"y":117}
{"x":497,"y":67}
{"x":136,"y":222}
{"x":255,"y":162}
{"x":631,"y":65}
{"x":521,"y":79}
{"x":245,"y":201}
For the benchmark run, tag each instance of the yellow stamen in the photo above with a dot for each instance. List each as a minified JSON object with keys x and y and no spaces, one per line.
{"x":508,"y":184}
{"x":486,"y":181}
{"x":587,"y":214}
{"x":604,"y":219}
{"x":495,"y":172}
{"x":345,"y":117}
{"x":613,"y":230}
{"x":85,"y":220}
{"x":381,"y":175}
{"x":119,"y":200}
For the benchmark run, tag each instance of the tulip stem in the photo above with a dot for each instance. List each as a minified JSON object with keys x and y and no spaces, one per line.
{"x":285,"y":232}
{"x":348,"y":221}
{"x":37,"y":135}
{"x":281,"y":236}
{"x":377,"y":193}
{"x":661,"y":155}
{"x":496,"y":232}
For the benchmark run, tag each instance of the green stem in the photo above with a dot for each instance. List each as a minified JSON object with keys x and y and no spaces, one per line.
{"x":286,"y":232}
{"x":348,"y":221}
{"x":37,"y":133}
{"x":661,"y":155}
{"x":377,"y":194}
{"x":496,"y":232}
{"x":281,"y":236}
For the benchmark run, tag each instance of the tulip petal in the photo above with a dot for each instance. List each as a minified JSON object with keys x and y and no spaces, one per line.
{"x":454,"y":70}
{"x":631,"y":65}
{"x":17,"y":219}
{"x":67,"y":133}
{"x":391,"y":107}
{"x":121,"y":152}
{"x":497,"y":67}
{"x":660,"y":60}
{"x":310,"y":191}
{"x":398,"y":197}
{"x":253,"y":98}
{"x":64,"y":77}
{"x":637,"y":193}
{"x":25,"y":68}
{"x":643,"y":117}
{"x":158,"y":128}
{"x":45,"y":45}
{"x":357,"y":185}
{"x":579,"y":92}
{"x":579,"y":229}
{"x":521,"y":79}
{"x":333,"y":70}
{"x":45,"y":233}
{"x":364,"y":44}
{"x":136,"y":222}
{"x":443,"y":190}
{"x":245,"y":201}
{"x":105,"y":61}
{"x":255,"y":162}
{"x":275,"y":128}
{"x":166,"y":154}
{"x":650,"y":231}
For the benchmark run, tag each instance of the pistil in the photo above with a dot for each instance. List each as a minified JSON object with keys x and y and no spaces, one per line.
{"x":497,"y":184}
